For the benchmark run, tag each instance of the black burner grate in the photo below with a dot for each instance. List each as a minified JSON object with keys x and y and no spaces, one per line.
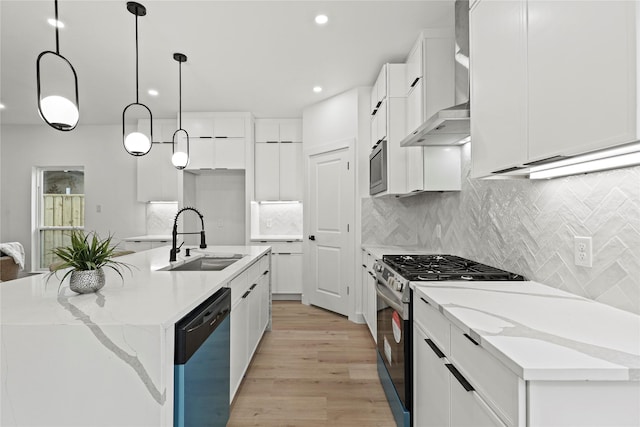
{"x":444,"y":267}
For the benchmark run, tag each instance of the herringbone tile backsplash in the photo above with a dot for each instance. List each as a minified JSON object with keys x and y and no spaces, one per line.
{"x":528,"y":227}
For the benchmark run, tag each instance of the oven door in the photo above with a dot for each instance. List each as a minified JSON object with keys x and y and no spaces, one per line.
{"x":394,"y":341}
{"x":378,"y":169}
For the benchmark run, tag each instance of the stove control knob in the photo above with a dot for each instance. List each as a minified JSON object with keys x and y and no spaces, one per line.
{"x":399,"y":286}
{"x":377,"y":268}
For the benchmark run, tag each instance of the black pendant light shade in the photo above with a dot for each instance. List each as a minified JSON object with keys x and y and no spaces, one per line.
{"x":180,"y":157}
{"x":137,"y":142}
{"x":58,"y":103}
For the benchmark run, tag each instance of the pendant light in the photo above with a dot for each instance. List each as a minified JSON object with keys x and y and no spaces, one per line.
{"x":137,"y":143}
{"x":58,"y":111}
{"x":180,"y":158}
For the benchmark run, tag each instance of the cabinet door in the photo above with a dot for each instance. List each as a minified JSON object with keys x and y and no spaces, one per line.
{"x":381,"y":121}
{"x":157,"y":179}
{"x":372,"y":305}
{"x":198,"y":127}
{"x":582,"y":76}
{"x":291,"y":171}
{"x":498,"y":48}
{"x":201,"y":153}
{"x":288,"y":274}
{"x":431,"y":403}
{"x":265,"y":305}
{"x":255,"y":302}
{"x":415,"y":116}
{"x":468,"y":408}
{"x":267,"y":130}
{"x":373,"y":101}
{"x":291,"y":131}
{"x":239,"y":346}
{"x":267,"y":171}
{"x":415,"y":168}
{"x":381,"y":84}
{"x":414,"y":67}
{"x":228,"y":127}
{"x":229,"y":153}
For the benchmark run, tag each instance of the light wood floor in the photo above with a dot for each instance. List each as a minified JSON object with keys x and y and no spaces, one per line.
{"x":314,"y":368}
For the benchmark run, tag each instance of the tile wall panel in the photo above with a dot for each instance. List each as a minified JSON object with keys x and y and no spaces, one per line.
{"x":528,"y":227}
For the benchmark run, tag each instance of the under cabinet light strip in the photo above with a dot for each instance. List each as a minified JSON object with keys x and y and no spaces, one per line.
{"x":601,"y":164}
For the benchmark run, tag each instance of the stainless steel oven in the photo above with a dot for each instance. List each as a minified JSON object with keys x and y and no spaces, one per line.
{"x":378,"y":168}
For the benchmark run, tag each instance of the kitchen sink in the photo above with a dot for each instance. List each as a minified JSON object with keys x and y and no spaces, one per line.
{"x":209,"y":263}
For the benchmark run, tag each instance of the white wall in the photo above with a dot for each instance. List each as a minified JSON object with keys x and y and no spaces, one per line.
{"x":110,"y":178}
{"x":331,"y":120}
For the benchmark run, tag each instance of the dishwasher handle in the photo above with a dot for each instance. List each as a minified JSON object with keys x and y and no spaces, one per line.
{"x":194,"y":328}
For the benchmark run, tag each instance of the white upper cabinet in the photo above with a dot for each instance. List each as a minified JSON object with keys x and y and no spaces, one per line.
{"x":429,"y":83}
{"x":550,"y":79}
{"x":278,"y":159}
{"x":498,"y":49}
{"x":157,"y":179}
{"x":216,"y":140}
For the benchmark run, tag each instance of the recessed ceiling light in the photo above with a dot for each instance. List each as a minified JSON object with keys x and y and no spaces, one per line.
{"x":317,"y":89}
{"x":55,"y":23}
{"x":152,"y":92}
{"x":322,"y":19}
{"x":1,"y":106}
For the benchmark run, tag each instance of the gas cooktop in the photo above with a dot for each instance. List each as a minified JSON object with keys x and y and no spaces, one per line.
{"x":416,"y":268}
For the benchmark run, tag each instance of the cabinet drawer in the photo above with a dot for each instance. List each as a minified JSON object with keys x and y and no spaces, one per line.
{"x":499,"y":387}
{"x":433,"y":323}
{"x":264,"y":264}
{"x":239,"y":285}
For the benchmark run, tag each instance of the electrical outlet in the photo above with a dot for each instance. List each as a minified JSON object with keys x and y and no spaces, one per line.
{"x":269,"y":223}
{"x":582,"y":251}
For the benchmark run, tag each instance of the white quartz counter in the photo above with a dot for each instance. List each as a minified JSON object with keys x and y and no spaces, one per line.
{"x":276,"y":238}
{"x":378,"y":251}
{"x":542,"y":333}
{"x":149,"y":238}
{"x":101,"y":359}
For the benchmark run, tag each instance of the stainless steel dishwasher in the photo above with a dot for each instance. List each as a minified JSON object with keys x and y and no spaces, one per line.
{"x":201,"y":368}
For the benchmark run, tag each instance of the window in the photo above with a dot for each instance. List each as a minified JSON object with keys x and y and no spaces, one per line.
{"x":59,"y":208}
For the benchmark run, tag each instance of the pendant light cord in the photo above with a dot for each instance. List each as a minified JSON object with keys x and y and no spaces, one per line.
{"x":180,"y":94}
{"x":137,"y":99}
{"x":57,"y":25}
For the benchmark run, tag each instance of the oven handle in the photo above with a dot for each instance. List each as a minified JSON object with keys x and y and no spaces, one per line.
{"x":381,"y":291}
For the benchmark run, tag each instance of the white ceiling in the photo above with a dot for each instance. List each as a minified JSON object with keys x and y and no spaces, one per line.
{"x":257,"y":56}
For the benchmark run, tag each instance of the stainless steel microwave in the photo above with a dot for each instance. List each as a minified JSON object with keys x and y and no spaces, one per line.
{"x":378,"y":168}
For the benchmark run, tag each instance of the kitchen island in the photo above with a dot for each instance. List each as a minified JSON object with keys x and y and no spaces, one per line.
{"x":102,"y":359}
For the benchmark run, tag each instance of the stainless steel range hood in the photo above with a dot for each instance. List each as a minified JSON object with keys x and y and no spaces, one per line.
{"x":450,"y":126}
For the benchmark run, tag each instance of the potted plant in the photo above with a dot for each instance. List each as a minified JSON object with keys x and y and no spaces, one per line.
{"x":86,"y":256}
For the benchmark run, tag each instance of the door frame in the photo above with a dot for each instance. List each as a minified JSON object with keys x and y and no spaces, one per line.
{"x":350,"y":145}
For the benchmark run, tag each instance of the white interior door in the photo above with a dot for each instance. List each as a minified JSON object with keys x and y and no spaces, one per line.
{"x":331,"y":207}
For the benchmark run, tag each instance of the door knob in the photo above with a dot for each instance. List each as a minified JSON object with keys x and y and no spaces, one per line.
{"x":312,"y":237}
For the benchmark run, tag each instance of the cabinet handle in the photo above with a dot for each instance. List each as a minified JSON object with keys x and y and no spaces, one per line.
{"x":246,"y":294}
{"x":284,"y":253}
{"x":265,"y":272}
{"x":425,"y":301}
{"x":378,"y":104}
{"x":286,"y":142}
{"x":253,"y":287}
{"x":364,"y":266}
{"x":471,"y":339}
{"x":462,"y":380}
{"x":204,"y":137}
{"x":435,"y":348}
{"x":415,"y":82}
{"x":371,"y":274}
{"x":221,"y":137}
{"x":543,"y":161}
{"x":515,"y":168}
{"x":272,"y":142}
{"x":373,"y":113}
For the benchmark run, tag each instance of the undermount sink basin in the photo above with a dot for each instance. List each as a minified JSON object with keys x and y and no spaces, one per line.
{"x":209,"y":263}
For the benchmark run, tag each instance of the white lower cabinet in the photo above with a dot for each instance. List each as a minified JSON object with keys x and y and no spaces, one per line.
{"x":250,"y":313}
{"x":287,"y":273}
{"x":456,"y":382}
{"x":369,"y":293}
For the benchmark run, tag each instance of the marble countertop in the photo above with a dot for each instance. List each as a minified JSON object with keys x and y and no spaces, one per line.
{"x":276,"y":238}
{"x":542,"y":333}
{"x":379,"y":250}
{"x":148,"y":238}
{"x":146,"y":296}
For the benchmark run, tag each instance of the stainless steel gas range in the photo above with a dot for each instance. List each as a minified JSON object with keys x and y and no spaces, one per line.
{"x":395,"y":317}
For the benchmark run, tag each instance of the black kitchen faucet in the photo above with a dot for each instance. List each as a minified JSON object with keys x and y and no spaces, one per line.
{"x":174,"y":234}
